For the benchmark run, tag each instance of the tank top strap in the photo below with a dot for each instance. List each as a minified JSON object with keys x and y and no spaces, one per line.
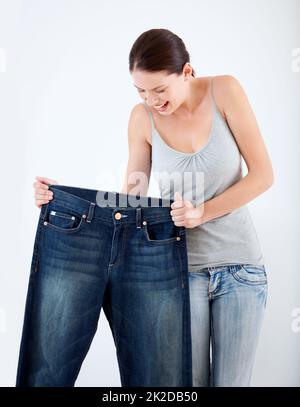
{"x":211,"y":91}
{"x":151,"y":117}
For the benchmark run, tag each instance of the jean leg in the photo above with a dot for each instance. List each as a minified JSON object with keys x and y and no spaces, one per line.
{"x":200,"y":327}
{"x":237,"y":314}
{"x":148,"y":311}
{"x":63,"y":306}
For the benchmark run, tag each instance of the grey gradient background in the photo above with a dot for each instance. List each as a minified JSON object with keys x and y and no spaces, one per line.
{"x":65,"y":99}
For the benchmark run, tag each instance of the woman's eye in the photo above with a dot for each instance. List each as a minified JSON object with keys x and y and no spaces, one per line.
{"x":158,"y":91}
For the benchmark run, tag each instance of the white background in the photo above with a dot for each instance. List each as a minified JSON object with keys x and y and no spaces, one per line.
{"x":65,"y":99}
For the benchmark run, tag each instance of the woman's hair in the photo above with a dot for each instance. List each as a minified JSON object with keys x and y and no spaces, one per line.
{"x":158,"y":49}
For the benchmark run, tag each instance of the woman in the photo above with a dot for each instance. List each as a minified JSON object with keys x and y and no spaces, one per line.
{"x":203,"y":125}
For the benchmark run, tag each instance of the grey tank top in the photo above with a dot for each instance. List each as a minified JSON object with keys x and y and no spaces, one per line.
{"x":228,"y":239}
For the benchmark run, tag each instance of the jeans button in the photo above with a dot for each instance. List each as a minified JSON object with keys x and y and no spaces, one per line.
{"x":118,"y":216}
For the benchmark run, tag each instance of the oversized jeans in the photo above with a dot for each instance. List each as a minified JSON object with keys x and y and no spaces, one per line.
{"x":132,"y":261}
{"x":227,"y":310}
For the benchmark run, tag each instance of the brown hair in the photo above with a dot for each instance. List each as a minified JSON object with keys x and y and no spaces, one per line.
{"x":159,"y":49}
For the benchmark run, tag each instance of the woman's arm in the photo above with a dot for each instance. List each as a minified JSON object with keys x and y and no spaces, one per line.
{"x":138,"y":170}
{"x":243,"y":124}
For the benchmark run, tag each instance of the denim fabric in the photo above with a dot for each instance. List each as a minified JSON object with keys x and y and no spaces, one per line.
{"x":132,"y":261}
{"x":227,"y":309}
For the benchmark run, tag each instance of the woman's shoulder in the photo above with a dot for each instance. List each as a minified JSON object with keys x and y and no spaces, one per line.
{"x":221,"y":83}
{"x":222,"y":87}
{"x":140,"y":119}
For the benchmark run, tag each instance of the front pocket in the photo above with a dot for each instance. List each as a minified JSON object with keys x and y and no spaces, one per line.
{"x":162,"y":232}
{"x":63,"y":221}
{"x":251,"y":274}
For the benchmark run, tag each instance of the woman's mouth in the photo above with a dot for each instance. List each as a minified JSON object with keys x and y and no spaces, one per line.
{"x":162,"y":107}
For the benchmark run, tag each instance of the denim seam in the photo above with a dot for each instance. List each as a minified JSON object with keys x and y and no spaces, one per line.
{"x":159,"y":241}
{"x":178,"y":253}
{"x":37,"y":246}
{"x":122,"y":246}
{"x":26,"y":325}
{"x":187,"y":341}
{"x":120,"y":252}
{"x":212,"y":373}
{"x":213,"y":293}
{"x":78,"y":198}
{"x":31,"y":285}
{"x":40,"y":236}
{"x":262,"y":271}
{"x":66,"y":206}
{"x":62,"y":215}
{"x":66,"y":230}
{"x":248,"y":282}
{"x":255,"y":266}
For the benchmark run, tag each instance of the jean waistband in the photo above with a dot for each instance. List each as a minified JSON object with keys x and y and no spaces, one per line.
{"x":120,"y":207}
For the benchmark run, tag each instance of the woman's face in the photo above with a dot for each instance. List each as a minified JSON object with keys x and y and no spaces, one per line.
{"x":160,"y":88}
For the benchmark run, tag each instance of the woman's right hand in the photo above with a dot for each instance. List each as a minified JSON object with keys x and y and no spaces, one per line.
{"x":41,"y":193}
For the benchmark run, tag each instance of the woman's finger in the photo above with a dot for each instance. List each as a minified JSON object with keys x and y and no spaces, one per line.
{"x":43,"y":195}
{"x":38,"y":184}
{"x":46,"y":180}
{"x":41,"y":202}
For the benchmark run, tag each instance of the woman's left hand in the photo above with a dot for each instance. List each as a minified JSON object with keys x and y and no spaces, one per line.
{"x":185,"y":214}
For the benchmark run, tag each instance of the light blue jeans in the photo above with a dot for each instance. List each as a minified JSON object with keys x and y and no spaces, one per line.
{"x":227,"y":308}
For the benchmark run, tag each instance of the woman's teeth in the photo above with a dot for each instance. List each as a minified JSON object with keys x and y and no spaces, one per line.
{"x":161,"y":106}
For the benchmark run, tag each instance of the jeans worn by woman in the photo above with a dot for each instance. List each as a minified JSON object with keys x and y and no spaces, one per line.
{"x":227,"y":309}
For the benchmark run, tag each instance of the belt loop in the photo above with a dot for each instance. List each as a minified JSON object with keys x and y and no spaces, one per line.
{"x":138,"y":217}
{"x":91,"y":212}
